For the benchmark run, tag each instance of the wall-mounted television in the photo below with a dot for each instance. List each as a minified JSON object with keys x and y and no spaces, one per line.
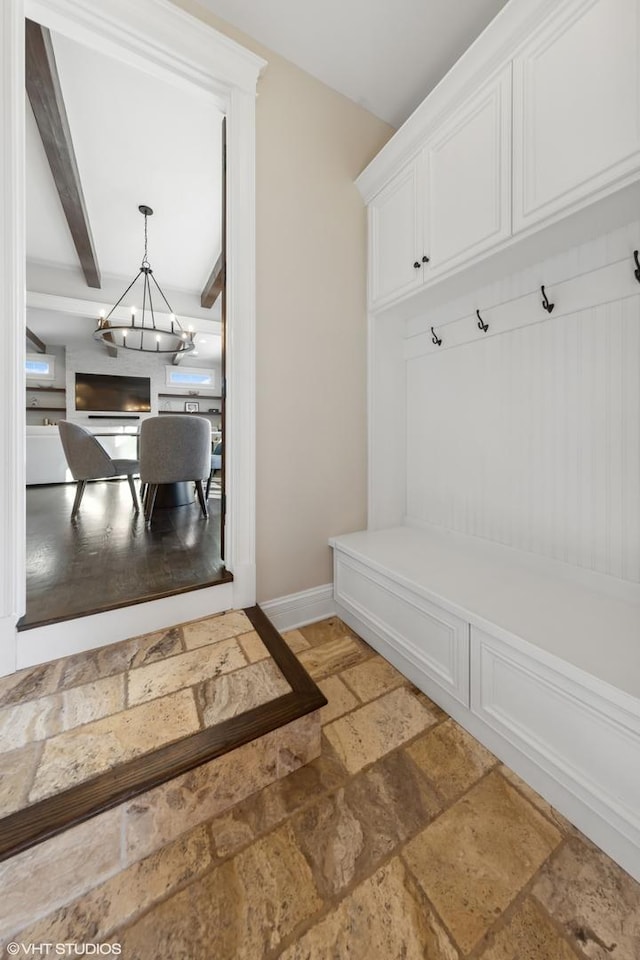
{"x":108,"y":393}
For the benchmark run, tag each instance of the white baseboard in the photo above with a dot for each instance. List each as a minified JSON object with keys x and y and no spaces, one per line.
{"x":85,"y":633}
{"x":298,"y":609}
{"x":7,"y":645}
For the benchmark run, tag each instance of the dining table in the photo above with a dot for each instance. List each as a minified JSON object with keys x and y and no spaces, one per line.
{"x":169,"y":495}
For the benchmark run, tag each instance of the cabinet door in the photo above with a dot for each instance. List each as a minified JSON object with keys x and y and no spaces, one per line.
{"x":395,"y":243}
{"x":577,"y":107}
{"x":468,"y":177}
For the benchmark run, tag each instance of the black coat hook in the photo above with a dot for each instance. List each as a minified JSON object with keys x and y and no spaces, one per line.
{"x":435,"y":338}
{"x":545,"y":301}
{"x":481,"y":324}
{"x":637,"y":269}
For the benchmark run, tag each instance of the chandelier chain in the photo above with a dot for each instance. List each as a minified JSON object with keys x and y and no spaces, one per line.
{"x":145,"y":260}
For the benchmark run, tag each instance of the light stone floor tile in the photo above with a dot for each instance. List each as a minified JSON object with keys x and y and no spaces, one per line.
{"x":91,"y":701}
{"x":331,"y":629}
{"x":451,"y":758}
{"x":529,"y":935}
{"x":542,"y":805}
{"x":341,"y":699}
{"x":239,"y":911}
{"x":119,"y":657}
{"x":162,"y":814}
{"x":30,"y":683}
{"x":235,"y":693}
{"x":594,"y":900}
{"x":359,"y":832}
{"x":253,"y":647}
{"x":86,"y":751}
{"x":347,"y":834}
{"x":55,"y":872}
{"x":296,"y":641}
{"x":203,"y":632}
{"x":382,"y":919}
{"x":367,"y":734}
{"x":109,"y":905}
{"x":332,"y":656}
{"x":184,"y":670}
{"x":17,"y":770}
{"x":298,"y":742}
{"x":157,"y":646}
{"x":267,"y":808}
{"x":372,"y":678}
{"x":475,"y":858}
{"x":23,"y":723}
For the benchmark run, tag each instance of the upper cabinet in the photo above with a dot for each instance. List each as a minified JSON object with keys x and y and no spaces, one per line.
{"x":395,"y":237}
{"x":576,"y":107}
{"x":448,"y":203}
{"x":467,"y":203}
{"x":552,"y":124}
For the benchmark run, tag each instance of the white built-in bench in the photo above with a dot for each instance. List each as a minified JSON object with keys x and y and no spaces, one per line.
{"x":539,"y":660}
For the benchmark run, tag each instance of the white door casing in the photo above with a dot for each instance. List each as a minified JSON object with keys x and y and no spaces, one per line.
{"x":164,"y":41}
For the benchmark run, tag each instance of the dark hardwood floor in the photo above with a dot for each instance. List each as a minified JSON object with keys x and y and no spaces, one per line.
{"x":107,"y":557}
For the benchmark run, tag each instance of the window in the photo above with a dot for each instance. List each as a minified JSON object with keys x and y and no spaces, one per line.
{"x":190,"y":377}
{"x":40,"y":366}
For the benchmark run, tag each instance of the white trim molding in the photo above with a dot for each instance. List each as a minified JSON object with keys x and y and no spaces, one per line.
{"x":157,"y":37}
{"x":299,"y":609}
{"x":57,"y":640}
{"x":12,"y":281}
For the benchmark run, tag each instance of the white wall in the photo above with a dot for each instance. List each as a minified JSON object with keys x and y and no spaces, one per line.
{"x":532,"y":437}
{"x":311,"y":143}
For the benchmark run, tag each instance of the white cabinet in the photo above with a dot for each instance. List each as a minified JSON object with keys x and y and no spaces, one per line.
{"x":579,"y":733}
{"x":451,"y":202}
{"x":46,"y":462}
{"x":467,"y":203}
{"x":576,"y":107}
{"x":427,"y":636}
{"x":553,"y":127}
{"x":395,"y":237}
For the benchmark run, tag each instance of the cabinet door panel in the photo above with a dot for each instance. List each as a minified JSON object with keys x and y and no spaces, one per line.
{"x":394,"y":238}
{"x":468,"y":172}
{"x":577,"y":107}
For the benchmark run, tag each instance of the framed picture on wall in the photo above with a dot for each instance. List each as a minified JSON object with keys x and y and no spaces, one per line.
{"x":191,"y":406}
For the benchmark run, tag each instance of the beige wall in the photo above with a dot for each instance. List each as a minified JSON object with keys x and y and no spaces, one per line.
{"x":311,"y":319}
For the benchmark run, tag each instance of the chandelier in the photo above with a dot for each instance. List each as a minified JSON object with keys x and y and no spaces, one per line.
{"x":144,"y":332}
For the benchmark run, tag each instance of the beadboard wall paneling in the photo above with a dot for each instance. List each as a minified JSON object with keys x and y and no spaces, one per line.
{"x":532,"y":438}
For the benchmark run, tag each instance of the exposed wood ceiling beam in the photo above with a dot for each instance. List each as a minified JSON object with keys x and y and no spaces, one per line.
{"x":213,"y":286}
{"x":45,"y":95}
{"x":34,"y":339}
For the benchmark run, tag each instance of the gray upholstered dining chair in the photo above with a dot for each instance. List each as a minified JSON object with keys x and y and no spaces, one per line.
{"x":174,"y":449}
{"x":88,"y":460}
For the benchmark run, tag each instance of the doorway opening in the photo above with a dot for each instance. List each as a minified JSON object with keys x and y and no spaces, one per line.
{"x":103,"y":138}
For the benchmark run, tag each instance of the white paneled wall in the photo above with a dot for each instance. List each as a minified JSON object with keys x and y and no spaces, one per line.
{"x":532,"y":437}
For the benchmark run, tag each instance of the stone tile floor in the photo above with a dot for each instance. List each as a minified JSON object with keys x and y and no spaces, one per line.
{"x":405,"y":839}
{"x":68,"y":720}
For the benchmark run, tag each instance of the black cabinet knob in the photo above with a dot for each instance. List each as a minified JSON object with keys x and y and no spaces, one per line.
{"x":425,"y":259}
{"x":416,"y":265}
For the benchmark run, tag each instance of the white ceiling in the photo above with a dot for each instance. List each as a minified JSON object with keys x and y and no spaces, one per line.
{"x":136,"y":140}
{"x":384,"y":54}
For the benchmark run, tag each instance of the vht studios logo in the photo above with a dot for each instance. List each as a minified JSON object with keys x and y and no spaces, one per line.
{"x":64,"y":949}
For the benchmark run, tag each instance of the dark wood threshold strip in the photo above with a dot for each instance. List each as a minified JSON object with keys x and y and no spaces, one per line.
{"x":46,"y":818}
{"x":225,"y":576}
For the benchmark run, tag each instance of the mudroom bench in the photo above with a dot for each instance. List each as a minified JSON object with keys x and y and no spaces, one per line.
{"x":537,"y":659}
